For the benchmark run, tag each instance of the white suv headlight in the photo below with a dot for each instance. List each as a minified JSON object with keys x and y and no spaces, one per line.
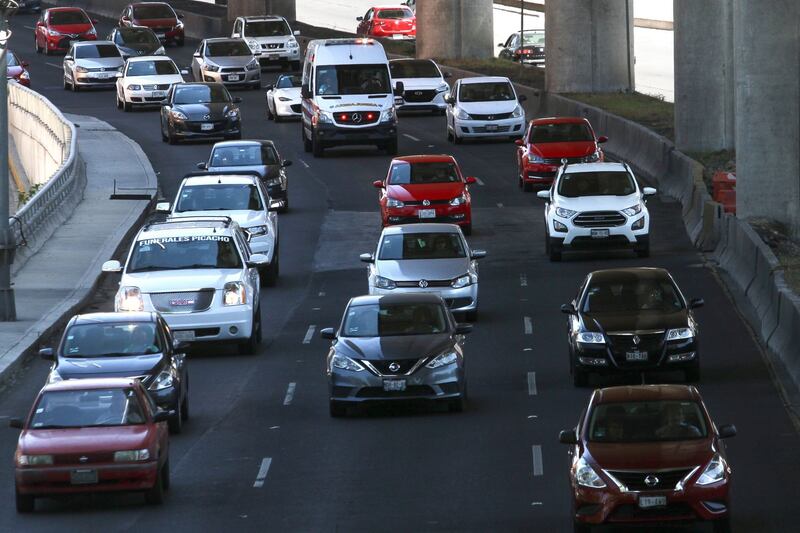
{"x":590,"y":337}
{"x":234,"y":294}
{"x":714,"y":471}
{"x":447,"y":358}
{"x":586,"y":476}
{"x":633,"y":210}
{"x":462,"y":115}
{"x":129,"y":299}
{"x":345,"y":363}
{"x":565,"y":213}
{"x":292,"y":44}
{"x":680,"y":334}
{"x":254,"y":46}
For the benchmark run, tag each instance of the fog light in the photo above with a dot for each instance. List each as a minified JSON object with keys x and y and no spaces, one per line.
{"x":680,"y":357}
{"x":593,"y":361}
{"x":234,"y":330}
{"x":558,"y":226}
{"x":639,"y":224}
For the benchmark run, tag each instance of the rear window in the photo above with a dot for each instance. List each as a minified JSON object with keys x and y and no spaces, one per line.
{"x":422,"y":246}
{"x":223,"y":197}
{"x":560,"y":133}
{"x":655,"y":421}
{"x":577,"y":184}
{"x":404,"y":173}
{"x":486,"y":92}
{"x":414,"y":69}
{"x":97,"y":51}
{"x":399,"y":13}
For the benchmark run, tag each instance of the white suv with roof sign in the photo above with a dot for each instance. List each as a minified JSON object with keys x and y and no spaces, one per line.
{"x":272,"y":36}
{"x":484,"y":107}
{"x":596,"y":205}
{"x":241,"y":196}
{"x":200,"y":275}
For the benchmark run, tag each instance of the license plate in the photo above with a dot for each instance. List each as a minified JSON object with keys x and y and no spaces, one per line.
{"x":185,"y":336}
{"x":646,"y":502}
{"x":105,"y":74}
{"x":636,"y":355}
{"x":273,"y":56}
{"x":84,"y":476}
{"x":206,"y":127}
{"x":233,"y":77}
{"x":599,"y":234}
{"x":159,"y":94}
{"x":394,"y":385}
{"x":427,"y":213}
{"x":491,"y":127}
{"x":398,"y":36}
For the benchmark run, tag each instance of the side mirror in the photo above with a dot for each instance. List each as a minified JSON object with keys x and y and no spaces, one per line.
{"x":257,"y":260}
{"x":269,"y":87}
{"x":602,"y":139}
{"x":180,"y":16}
{"x":46,"y":354}
{"x":112,"y":266}
{"x":296,"y":33}
{"x":236,"y":34}
{"x":521,"y":98}
{"x":399,"y":88}
{"x":118,"y":75}
{"x":236,"y":99}
{"x":276,"y":205}
{"x":568,"y":436}
{"x":544,"y":195}
{"x":378,"y":184}
{"x":25,"y":64}
{"x":501,"y":45}
{"x":162,"y":415}
{"x":286,"y":163}
{"x":163,"y":207}
{"x":95,"y":21}
{"x":450,"y":99}
{"x":470,"y":180}
{"x":196,"y":54}
{"x":67,"y":57}
{"x":367,"y":258}
{"x":202,"y":165}
{"x":727,"y":431}
{"x":305,"y":92}
{"x":463,"y":329}
{"x":15,"y":423}
{"x":359,"y":19}
{"x":477,"y":254}
{"x":328,"y":333}
{"x":179,"y":345}
{"x":184,"y":72}
{"x":447,"y":75}
{"x":649,"y":191}
{"x":519,"y":142}
{"x":568,"y":309}
{"x":125,"y":19}
{"x":694,"y":303}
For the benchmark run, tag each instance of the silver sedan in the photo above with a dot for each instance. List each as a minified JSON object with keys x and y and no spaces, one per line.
{"x":228,"y":61}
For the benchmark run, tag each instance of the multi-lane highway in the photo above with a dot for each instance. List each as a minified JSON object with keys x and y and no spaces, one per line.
{"x":262,"y":453}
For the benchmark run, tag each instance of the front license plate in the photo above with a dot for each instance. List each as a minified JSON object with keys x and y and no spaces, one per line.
{"x":636,"y":355}
{"x":426,"y":213}
{"x":273,"y":56}
{"x":394,"y":385}
{"x":206,"y":127}
{"x":599,"y":234}
{"x":159,"y":94}
{"x":84,"y":476}
{"x":646,"y":502}
{"x":491,"y":127}
{"x":233,"y":77}
{"x":185,"y":336}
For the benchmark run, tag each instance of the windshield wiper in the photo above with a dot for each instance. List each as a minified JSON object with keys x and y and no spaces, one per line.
{"x":53,"y":426}
{"x":149,"y":269}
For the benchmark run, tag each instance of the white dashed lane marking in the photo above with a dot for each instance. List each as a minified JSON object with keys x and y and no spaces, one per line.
{"x":287,"y":400}
{"x":532,"y":384}
{"x":523,"y":280}
{"x":262,"y":472}
{"x":536,"y":451}
{"x":406,"y":135}
{"x":309,"y":334}
{"x":528,"y":325}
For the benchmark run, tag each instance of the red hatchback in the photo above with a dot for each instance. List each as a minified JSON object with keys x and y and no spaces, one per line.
{"x":92,"y":435}
{"x":391,"y":22}
{"x":18,"y":70}
{"x":426,"y":188}
{"x":159,"y":17}
{"x":57,"y":27}
{"x":648,"y":454}
{"x":549,"y":140}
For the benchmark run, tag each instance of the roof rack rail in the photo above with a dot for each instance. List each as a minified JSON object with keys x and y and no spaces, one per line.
{"x":227,"y":221}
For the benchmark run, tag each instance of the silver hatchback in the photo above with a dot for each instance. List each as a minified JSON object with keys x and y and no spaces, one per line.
{"x":92,"y":64}
{"x":228,"y":61}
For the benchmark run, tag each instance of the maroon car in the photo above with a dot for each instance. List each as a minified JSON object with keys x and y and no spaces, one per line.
{"x":18,"y":69}
{"x":647,"y":454}
{"x":158,"y":16}
{"x":91,"y":435}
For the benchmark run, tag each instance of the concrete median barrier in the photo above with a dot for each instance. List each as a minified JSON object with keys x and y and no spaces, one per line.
{"x":784,"y":341}
{"x":762,"y":292}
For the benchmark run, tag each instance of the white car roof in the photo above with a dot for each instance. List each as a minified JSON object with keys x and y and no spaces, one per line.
{"x":236,"y":143}
{"x":403,"y":229}
{"x":595,"y":167}
{"x":347,"y":51}
{"x":188,"y":227}
{"x":256,"y":18}
{"x":484,"y":79}
{"x":139,"y":59}
{"x":92,"y":43}
{"x":217,"y":179}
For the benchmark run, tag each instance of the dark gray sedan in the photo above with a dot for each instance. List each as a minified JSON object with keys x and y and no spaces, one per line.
{"x":396,"y":347}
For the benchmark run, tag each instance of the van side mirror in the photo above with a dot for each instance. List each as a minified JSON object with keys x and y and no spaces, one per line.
{"x":568,"y":436}
{"x":305,"y":92}
{"x":328,"y":334}
{"x":46,"y":354}
{"x":399,"y":88}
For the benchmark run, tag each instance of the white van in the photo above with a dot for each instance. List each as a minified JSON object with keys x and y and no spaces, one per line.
{"x":348,"y":97}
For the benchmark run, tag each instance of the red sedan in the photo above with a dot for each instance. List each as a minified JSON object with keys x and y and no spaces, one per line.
{"x":159,"y":17}
{"x":57,"y":27}
{"x":91,"y":435}
{"x":18,"y":70}
{"x":648,"y":454}
{"x":549,"y":140}
{"x":426,"y":188}
{"x":391,"y":22}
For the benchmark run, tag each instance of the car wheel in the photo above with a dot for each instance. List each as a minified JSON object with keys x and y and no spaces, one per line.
{"x":127,"y":107}
{"x":175,"y":422}
{"x":456,"y":138}
{"x":171,"y":138}
{"x":336,"y":409}
{"x":163,"y":135}
{"x":270,"y":274}
{"x":25,"y":502}
{"x":723,"y":525}
{"x":185,"y":406}
{"x":449,"y":135}
{"x":45,"y":49}
{"x":693,"y":372}
{"x":643,"y":250}
{"x":467,"y":229}
{"x":306,"y":142}
{"x":270,"y":116}
{"x":74,"y":86}
{"x":250,"y":346}
{"x":317,"y":147}
{"x":66,"y":84}
{"x":119,"y":102}
{"x":36,"y":46}
{"x":155,"y":496}
{"x":391,"y":147}
{"x":458,"y":405}
{"x":165,"y":481}
{"x":555,"y":251}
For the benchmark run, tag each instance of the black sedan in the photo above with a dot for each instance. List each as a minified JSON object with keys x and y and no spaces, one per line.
{"x":200,"y":111}
{"x":631,"y":320}
{"x":396,"y":347}
{"x":136,"y":41}
{"x":530,"y":49}
{"x":138,"y":345}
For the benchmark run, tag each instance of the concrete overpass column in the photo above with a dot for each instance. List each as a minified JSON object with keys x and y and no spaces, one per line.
{"x":589,"y":46}
{"x":704,"y":119}
{"x":456,"y":29}
{"x":242,"y":8}
{"x":766,"y":56}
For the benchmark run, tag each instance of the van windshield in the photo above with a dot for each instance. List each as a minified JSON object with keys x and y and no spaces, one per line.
{"x":352,"y":79}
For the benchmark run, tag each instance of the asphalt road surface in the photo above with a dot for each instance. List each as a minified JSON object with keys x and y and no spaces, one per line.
{"x":402,"y":468}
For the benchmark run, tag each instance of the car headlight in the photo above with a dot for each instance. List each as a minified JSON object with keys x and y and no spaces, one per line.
{"x":163,"y":381}
{"x":447,"y":358}
{"x":54,"y":377}
{"x":91,"y":32}
{"x":592,"y":158}
{"x":253,"y":65}
{"x":443,"y":88}
{"x":633,"y":210}
{"x":324,"y":117}
{"x":345,"y":363}
{"x":714,"y":472}
{"x":284,"y":99}
{"x":463,"y":115}
{"x":394,"y":202}
{"x":160,"y":51}
{"x":565,"y":213}
{"x":384,"y":283}
{"x":54,"y":33}
{"x":25,"y":75}
{"x":585,"y":475}
{"x":134,"y":87}
{"x":459,"y":200}
{"x":210,"y":68}
{"x":518,"y":112}
{"x":129,"y":299}
{"x":178,"y":114}
{"x":131,"y":456}
{"x":254,"y":46}
{"x":463,"y":281}
{"x":234,"y":293}
{"x":232,"y":113}
{"x":34,"y":460}
{"x":292,"y":44}
{"x":680,"y":334}
{"x":590,"y":337}
{"x":533,"y":158}
{"x":81,"y":69}
{"x":388,"y":115}
{"x":257,"y":230}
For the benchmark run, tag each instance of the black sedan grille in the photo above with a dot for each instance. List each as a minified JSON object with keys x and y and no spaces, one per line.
{"x":495,"y":116}
{"x":413,"y":96}
{"x":599,"y":219}
{"x":182,"y":302}
{"x":403,"y":366}
{"x":650,"y":343}
{"x":664,"y":480}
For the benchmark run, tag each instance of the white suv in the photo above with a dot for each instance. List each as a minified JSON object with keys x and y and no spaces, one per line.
{"x":272,"y":36}
{"x":200,"y":275}
{"x":484,"y":107}
{"x":240,"y":196}
{"x":594,"y":205}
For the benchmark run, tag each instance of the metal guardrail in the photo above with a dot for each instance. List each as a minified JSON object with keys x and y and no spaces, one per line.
{"x":51,"y":139}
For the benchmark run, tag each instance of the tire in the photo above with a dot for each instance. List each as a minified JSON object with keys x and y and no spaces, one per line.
{"x":175,"y":423}
{"x":467,"y":229}
{"x":554,"y":252}
{"x":643,"y":250}
{"x":66,"y":85}
{"x":471,"y":316}
{"x":119,"y":103}
{"x":307,"y":147}
{"x":45,"y":50}
{"x":75,"y":87}
{"x":185,"y":405}
{"x":250,"y":346}
{"x":127,"y":106}
{"x":155,"y":496}
{"x":25,"y":502}
{"x":457,"y":139}
{"x":336,"y":409}
{"x":693,"y":371}
{"x":270,"y":116}
{"x":36,"y":46}
{"x":317,"y":148}
{"x":391,"y":147}
{"x":458,"y":405}
{"x":270,"y":274}
{"x":171,"y":139}
{"x":165,"y":480}
{"x":163,"y":137}
{"x":723,"y":525}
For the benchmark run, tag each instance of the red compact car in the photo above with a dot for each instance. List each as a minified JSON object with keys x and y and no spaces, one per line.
{"x":549,"y":140}
{"x":159,"y":17}
{"x":92,"y":435}
{"x":57,"y":27}
{"x":426,"y":188}
{"x":391,"y":22}
{"x":649,"y":454}
{"x":18,"y":70}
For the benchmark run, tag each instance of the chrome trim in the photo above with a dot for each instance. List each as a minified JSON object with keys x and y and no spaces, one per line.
{"x":375,"y":371}
{"x":678,"y":486}
{"x":637,"y":332}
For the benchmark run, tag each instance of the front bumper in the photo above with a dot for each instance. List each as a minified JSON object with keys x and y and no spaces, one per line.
{"x":671,"y":355}
{"x":485,"y":128}
{"x":618,"y":236}
{"x":218,"y":323}
{"x":89,"y":79}
{"x":539,"y":173}
{"x":458,"y":300}
{"x":190,"y":129}
{"x":443,"y":383}
{"x":246,"y":77}
{"x":272,"y":56}
{"x":333,"y":135}
{"x":445,"y":213}
{"x":421,"y":102}
{"x":144,"y":97}
{"x":288,"y":109}
{"x":60,"y":43}
{"x":51,"y":480}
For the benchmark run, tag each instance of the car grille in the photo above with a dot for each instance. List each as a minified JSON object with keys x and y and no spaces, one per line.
{"x":497,"y":116}
{"x":75,"y":458}
{"x":272,"y":46}
{"x":182,"y":302}
{"x":102,"y":69}
{"x":233,"y":70}
{"x":382,"y":366}
{"x":357,"y":118}
{"x":667,"y":480}
{"x":599,"y":219}
{"x":296,"y":107}
{"x":652,"y":343}
{"x":570,"y":160}
{"x":160,"y":87}
{"x":419,"y":96}
{"x":499,"y":129}
{"x":430,"y":283}
{"x":430,"y":202}
{"x":411,"y":391}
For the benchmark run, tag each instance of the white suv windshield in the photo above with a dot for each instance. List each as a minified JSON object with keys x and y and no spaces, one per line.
{"x":266,"y":28}
{"x":179,"y":253}
{"x":577,"y":184}
{"x":486,"y":92}
{"x":224,"y":197}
